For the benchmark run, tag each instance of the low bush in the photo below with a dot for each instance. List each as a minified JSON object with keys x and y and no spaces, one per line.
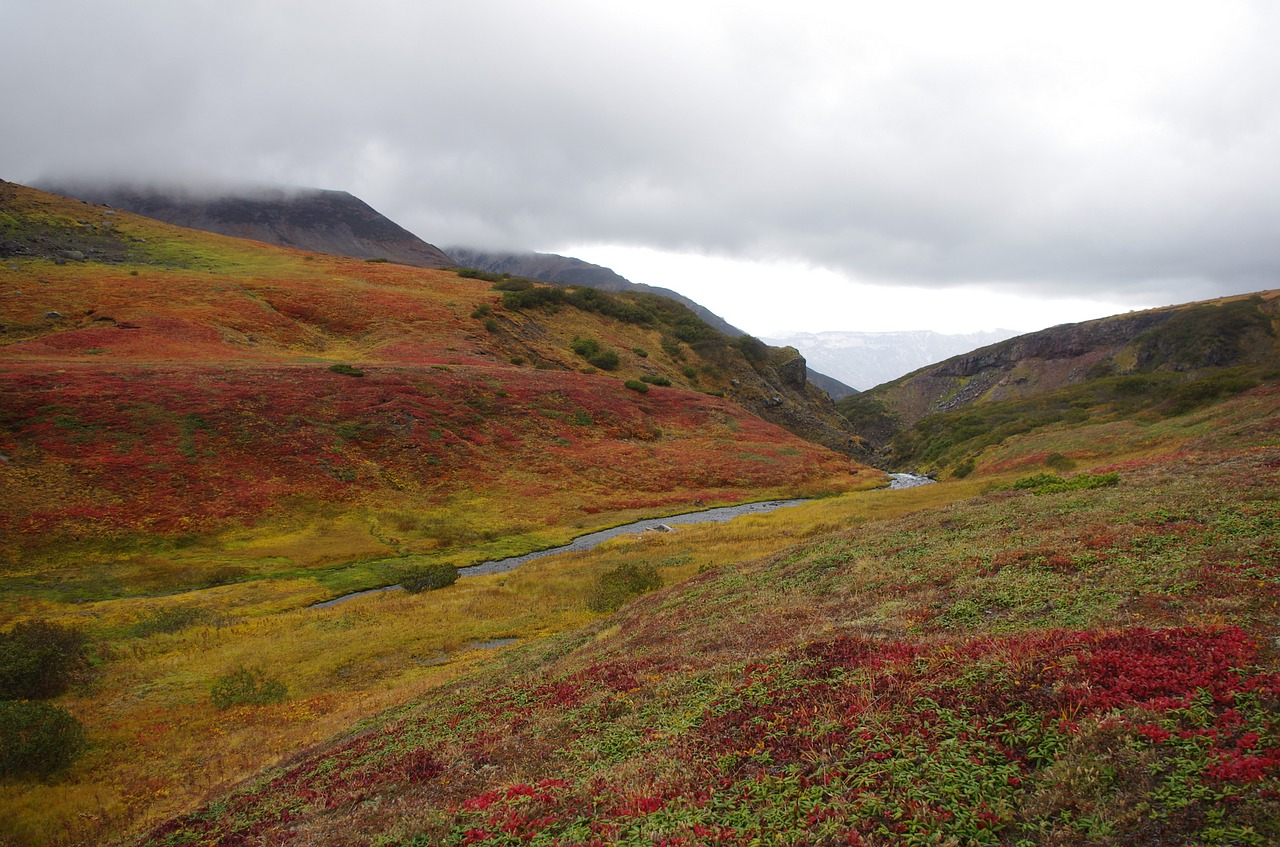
{"x":655,"y":379}
{"x":585,"y":347}
{"x":247,"y":687}
{"x":605,"y":360}
{"x":429,"y":577}
{"x":39,"y":659}
{"x":346,"y":370}
{"x":1047,"y":483}
{"x":637,"y":385}
{"x":641,"y":352}
{"x":37,"y":739}
{"x":617,"y":586}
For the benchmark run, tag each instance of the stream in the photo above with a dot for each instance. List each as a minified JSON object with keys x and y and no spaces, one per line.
{"x":592,"y":540}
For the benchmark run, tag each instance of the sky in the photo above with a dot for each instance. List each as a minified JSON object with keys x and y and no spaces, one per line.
{"x":806,"y":166}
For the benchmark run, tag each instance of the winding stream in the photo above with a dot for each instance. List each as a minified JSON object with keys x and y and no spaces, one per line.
{"x":592,"y":540}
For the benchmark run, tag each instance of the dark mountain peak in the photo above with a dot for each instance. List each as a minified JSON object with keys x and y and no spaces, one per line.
{"x":319,"y":220}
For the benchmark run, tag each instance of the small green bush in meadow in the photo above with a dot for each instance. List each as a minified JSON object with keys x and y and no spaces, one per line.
{"x":617,"y":586}
{"x":1047,"y":483}
{"x":247,"y":687}
{"x":585,"y":347}
{"x":429,"y":577}
{"x":655,"y":379}
{"x":637,"y":385}
{"x":346,"y":370}
{"x":37,"y":739}
{"x":641,"y":352}
{"x":605,"y":360}
{"x":39,"y":659}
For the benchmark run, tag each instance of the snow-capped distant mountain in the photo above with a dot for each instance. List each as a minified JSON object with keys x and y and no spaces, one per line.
{"x":867,"y":359}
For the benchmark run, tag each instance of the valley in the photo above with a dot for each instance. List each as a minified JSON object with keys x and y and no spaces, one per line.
{"x":1071,"y":638}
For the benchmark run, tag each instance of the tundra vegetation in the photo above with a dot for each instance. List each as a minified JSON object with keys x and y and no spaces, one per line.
{"x":1075,"y":643}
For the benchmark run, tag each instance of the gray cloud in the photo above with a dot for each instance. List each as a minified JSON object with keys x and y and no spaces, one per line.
{"x":1056,"y":147}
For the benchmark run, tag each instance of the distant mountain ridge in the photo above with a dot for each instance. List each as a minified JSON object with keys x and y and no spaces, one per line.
{"x":1156,"y":362}
{"x":864,"y":360}
{"x":322,"y":221}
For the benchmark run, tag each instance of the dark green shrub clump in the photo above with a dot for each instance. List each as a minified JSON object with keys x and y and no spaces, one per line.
{"x":247,"y":687}
{"x":38,"y":739}
{"x":585,"y":347}
{"x":429,"y":577}
{"x":637,"y":385}
{"x":655,"y":379}
{"x":1047,"y":483}
{"x":346,"y":370}
{"x":605,"y":360}
{"x":39,"y":659}
{"x":617,"y":586}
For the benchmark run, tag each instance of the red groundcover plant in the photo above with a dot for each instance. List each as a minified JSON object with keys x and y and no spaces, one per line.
{"x":844,"y":741}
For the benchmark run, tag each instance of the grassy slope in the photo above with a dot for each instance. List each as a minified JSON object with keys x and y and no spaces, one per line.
{"x":176,"y":453}
{"x":954,"y":664}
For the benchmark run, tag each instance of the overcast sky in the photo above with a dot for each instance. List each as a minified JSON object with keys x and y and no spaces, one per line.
{"x":798,"y":166}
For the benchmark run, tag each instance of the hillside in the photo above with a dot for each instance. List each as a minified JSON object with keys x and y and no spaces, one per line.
{"x":864,"y":360}
{"x":332,"y":222}
{"x":1073,"y":643}
{"x":1157,"y":362}
{"x":549,"y":267}
{"x":1004,"y":661}
{"x":202,"y":434}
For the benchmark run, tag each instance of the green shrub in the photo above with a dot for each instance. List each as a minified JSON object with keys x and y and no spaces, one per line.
{"x":482,"y":311}
{"x":637,"y":385}
{"x":36,"y":738}
{"x":963,"y":469}
{"x":641,"y":352}
{"x":377,"y":261}
{"x":247,"y":687}
{"x":655,"y":379}
{"x":429,"y":577}
{"x":605,"y":360}
{"x":346,"y":370}
{"x":585,"y":347}
{"x":1047,"y":483}
{"x":491,"y":325}
{"x":752,"y":348}
{"x":617,"y":586}
{"x":476,"y":273}
{"x":39,"y":659}
{"x":169,"y":620}
{"x":513,"y":284}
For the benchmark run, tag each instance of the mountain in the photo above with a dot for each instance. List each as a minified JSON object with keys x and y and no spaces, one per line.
{"x":1073,"y":642}
{"x":565,"y":270}
{"x":549,"y":267}
{"x":866,"y":359}
{"x":332,"y":222}
{"x":1160,"y":361}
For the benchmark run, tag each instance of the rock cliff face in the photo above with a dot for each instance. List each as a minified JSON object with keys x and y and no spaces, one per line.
{"x":332,"y":222}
